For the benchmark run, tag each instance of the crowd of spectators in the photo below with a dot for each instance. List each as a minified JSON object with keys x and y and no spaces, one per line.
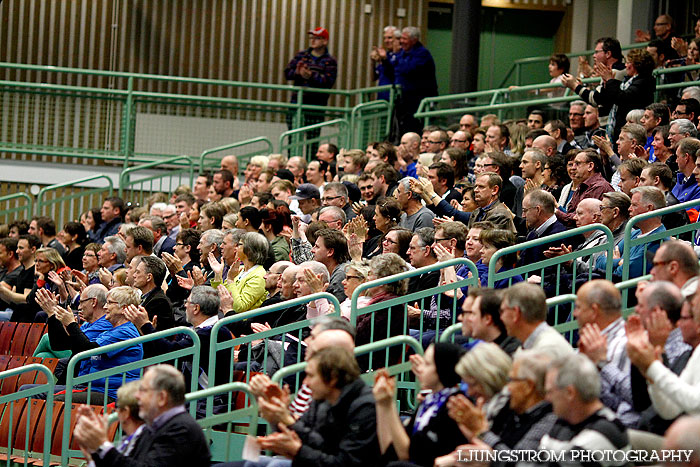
{"x":288,"y":228}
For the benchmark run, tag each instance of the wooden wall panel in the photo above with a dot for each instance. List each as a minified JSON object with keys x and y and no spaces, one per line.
{"x":240,"y":40}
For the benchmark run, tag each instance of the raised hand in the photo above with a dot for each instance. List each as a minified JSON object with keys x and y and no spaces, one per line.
{"x":137,"y":315}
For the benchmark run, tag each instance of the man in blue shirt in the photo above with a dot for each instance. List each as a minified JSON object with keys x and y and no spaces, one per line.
{"x":379,"y":55}
{"x":414,"y":71}
{"x":687,"y":187}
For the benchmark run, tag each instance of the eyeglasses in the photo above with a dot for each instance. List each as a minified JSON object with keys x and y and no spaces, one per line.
{"x":490,"y":165}
{"x":112,"y":302}
{"x":458,"y":140}
{"x":573,"y":114}
{"x":179,"y":244}
{"x":170,"y":215}
{"x":441,"y":239}
{"x":388,"y":240}
{"x":83,"y":300}
{"x":353,"y":277}
{"x":330,"y":198}
{"x":434,"y":142}
{"x":41,"y":261}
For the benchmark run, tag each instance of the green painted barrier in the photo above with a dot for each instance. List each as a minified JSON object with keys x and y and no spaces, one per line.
{"x":424,"y":326}
{"x":283,"y":335}
{"x":295,"y":141}
{"x":73,"y":381}
{"x":67,"y":207}
{"x":649,"y":241}
{"x":16,"y":206}
{"x":24,"y":454}
{"x":206,"y":161}
{"x":171,"y":173}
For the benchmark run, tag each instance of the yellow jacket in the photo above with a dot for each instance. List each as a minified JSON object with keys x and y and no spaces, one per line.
{"x":247,"y":289}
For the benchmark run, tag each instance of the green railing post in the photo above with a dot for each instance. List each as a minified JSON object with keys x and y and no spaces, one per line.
{"x":125,"y":179}
{"x":241,"y":158}
{"x":41,"y":203}
{"x":128,"y":124}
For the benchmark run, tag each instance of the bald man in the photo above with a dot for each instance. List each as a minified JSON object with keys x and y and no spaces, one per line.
{"x":546,"y":144}
{"x":230,"y":163}
{"x":684,"y":435}
{"x":603,"y":340}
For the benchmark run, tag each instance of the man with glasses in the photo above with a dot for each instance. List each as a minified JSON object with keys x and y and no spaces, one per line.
{"x":336,"y":194}
{"x":587,"y":172}
{"x":687,"y":187}
{"x":173,"y":437}
{"x":688,"y":109}
{"x":437,"y":141}
{"x":676,"y":262}
{"x":538,"y":211}
{"x":576,"y":123}
{"x":460,"y":140}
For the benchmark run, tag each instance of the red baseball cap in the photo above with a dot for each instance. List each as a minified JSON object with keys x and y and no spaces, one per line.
{"x":320,"y":32}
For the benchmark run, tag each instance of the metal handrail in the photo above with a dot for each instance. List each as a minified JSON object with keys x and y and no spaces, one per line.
{"x":72,"y":380}
{"x":259,"y":139}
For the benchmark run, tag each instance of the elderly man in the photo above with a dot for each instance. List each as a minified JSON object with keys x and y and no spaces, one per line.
{"x":614,"y":213}
{"x":414,"y":71}
{"x":603,"y":341}
{"x":421,"y":254}
{"x":162,"y":242}
{"x":671,"y":394}
{"x":333,"y":216}
{"x":414,"y":215}
{"x":387,"y":54}
{"x":687,"y":187}
{"x":676,"y":262}
{"x":573,"y":387}
{"x":174,"y":437}
{"x":644,"y":199}
{"x":409,"y":150}
{"x":546,"y":144}
{"x":467,"y":123}
{"x":538,"y":210}
{"x":523,"y":312}
{"x":201,"y":311}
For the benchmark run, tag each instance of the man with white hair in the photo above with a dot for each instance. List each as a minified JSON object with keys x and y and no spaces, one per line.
{"x":414,"y":71}
{"x":414,"y":215}
{"x":387,"y":54}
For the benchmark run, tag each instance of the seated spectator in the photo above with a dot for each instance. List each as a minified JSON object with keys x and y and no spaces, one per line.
{"x":162,"y":243}
{"x":686,"y":187}
{"x":538,"y":210}
{"x":614,"y":213}
{"x":414,"y":215}
{"x":554,"y":175}
{"x":185,"y":258}
{"x":331,"y":250}
{"x":386,"y":322}
{"x":430,"y":432}
{"x":485,"y":321}
{"x":16,"y":297}
{"x":274,"y":222}
{"x":247,"y":285}
{"x":73,"y":237}
{"x":112,"y":213}
{"x":485,"y":370}
{"x":421,"y":254}
{"x":492,"y":241}
{"x":139,"y":242}
{"x":176,"y":439}
{"x":676,"y":262}
{"x":397,"y":240}
{"x":644,"y":199}
{"x":387,"y":215}
{"x":659,"y":175}
{"x":148,"y":278}
{"x":573,"y":388}
{"x":356,"y":273}
{"x":10,"y":266}
{"x":211,"y":215}
{"x":49,"y":265}
{"x":591,"y":184}
{"x":117,"y":301}
{"x":91,"y":220}
{"x":339,"y":427}
{"x":532,"y":412}
{"x":524,"y":313}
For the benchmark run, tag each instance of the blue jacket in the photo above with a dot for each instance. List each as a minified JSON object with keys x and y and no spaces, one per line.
{"x":686,"y":191}
{"x":637,"y":255}
{"x":415,"y":72}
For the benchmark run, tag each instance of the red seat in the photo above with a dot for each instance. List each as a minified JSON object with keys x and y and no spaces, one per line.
{"x":19,"y":338}
{"x":11,"y":413}
{"x":36,"y":331}
{"x":8,"y":329}
{"x":30,"y":376}
{"x":25,"y":433}
{"x":9,"y":385}
{"x":4,"y":361}
{"x":49,"y":363}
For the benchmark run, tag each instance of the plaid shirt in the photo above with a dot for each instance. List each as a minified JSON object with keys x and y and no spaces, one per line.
{"x":324,"y":71}
{"x":301,"y":251}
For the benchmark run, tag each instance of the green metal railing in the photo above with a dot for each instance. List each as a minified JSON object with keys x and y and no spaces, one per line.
{"x":555,"y":267}
{"x":190,"y":353}
{"x":650,"y":243}
{"x":298,"y":139}
{"x":366,"y":123}
{"x":401,"y":370}
{"x":71,"y":120}
{"x":170,"y":173}
{"x":16,"y":206}
{"x":510,"y":102}
{"x":422,"y":324}
{"x":8,"y":402}
{"x":282,"y":335}
{"x":69,"y":205}
{"x":206,"y":161}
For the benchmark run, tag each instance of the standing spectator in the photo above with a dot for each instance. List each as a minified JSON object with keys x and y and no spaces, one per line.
{"x":414,"y":215}
{"x":415,"y":73}
{"x":314,"y":68}
{"x":331,"y":250}
{"x":384,"y":74}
